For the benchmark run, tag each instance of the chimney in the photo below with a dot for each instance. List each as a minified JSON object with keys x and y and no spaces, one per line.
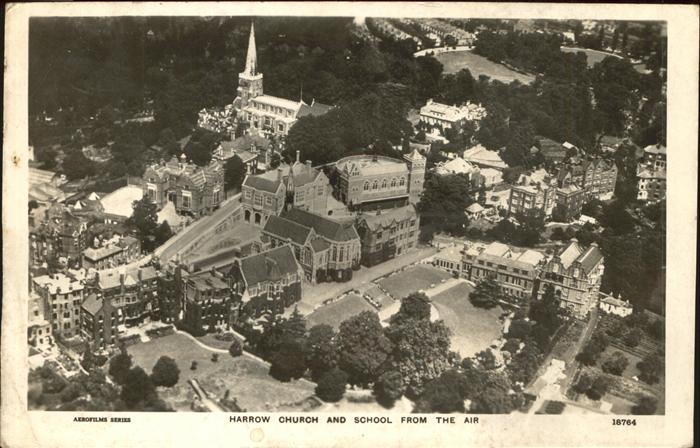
{"x":374,"y":158}
{"x":298,"y":156}
{"x":121,"y":278}
{"x":140,"y":274}
{"x":308,"y":164}
{"x":279,"y":174}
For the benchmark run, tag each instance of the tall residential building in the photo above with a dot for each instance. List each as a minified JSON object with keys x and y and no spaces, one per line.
{"x":569,"y":203}
{"x":597,"y":176}
{"x":207,"y":300}
{"x":60,"y":235}
{"x":61,"y":296}
{"x":132,"y":292}
{"x":575,"y":274}
{"x":515,"y":270}
{"x":651,"y":174}
{"x":194,"y":190}
{"x":39,"y":334}
{"x":385,"y":234}
{"x":100,"y":322}
{"x":299,"y":185}
{"x":326,"y":249}
{"x":374,"y":182}
{"x":535,"y":191}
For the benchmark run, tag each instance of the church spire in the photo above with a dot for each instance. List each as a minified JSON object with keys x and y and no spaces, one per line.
{"x":251,"y":60}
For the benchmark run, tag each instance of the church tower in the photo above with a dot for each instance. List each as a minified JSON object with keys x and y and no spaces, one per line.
{"x":250,"y":82}
{"x":416,"y":175}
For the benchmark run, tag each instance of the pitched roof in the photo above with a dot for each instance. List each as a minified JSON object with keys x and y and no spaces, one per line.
{"x":590,"y":258}
{"x":327,"y":228}
{"x":655,"y":149}
{"x":272,"y":265}
{"x":315,"y":109}
{"x":570,"y":254}
{"x":101,"y":252}
{"x":92,"y":304}
{"x":262,"y":183}
{"x":319,"y":244}
{"x":388,"y":217}
{"x":475,"y":208}
{"x":285,"y":228}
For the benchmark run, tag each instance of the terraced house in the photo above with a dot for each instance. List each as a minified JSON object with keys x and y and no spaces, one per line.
{"x":61,"y":297}
{"x":596,"y":176}
{"x":266,"y":282}
{"x":326,"y":249}
{"x":194,"y":190}
{"x":575,"y":274}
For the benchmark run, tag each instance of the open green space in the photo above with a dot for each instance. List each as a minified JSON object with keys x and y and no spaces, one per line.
{"x":413,"y":279}
{"x":335,"y":313}
{"x":455,"y":61}
{"x":473,"y":328}
{"x":247,"y":379}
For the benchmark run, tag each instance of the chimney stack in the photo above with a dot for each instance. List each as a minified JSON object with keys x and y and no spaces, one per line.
{"x":308,"y":164}
{"x":298,"y":156}
{"x":279,"y":174}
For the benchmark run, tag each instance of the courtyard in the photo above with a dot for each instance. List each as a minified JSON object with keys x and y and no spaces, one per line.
{"x":455,"y":61}
{"x":246,"y":378}
{"x":415,"y":278}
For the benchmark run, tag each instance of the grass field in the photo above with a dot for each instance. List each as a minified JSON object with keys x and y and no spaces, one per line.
{"x":473,"y":328}
{"x":335,"y":313}
{"x":592,"y":56}
{"x":413,"y":279}
{"x":478,"y":65}
{"x":246,"y":378}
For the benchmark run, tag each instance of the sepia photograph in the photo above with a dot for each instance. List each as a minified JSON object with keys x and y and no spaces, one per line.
{"x":362,"y":217}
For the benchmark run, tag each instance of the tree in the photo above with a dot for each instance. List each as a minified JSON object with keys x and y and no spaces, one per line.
{"x":487,"y":294}
{"x":519,"y":329}
{"x":275,"y":160}
{"x":119,"y":366}
{"x":492,"y":401}
{"x":584,"y":383}
{"x":321,"y":350}
{"x":421,"y":351}
{"x":137,"y":388}
{"x":287,"y":362}
{"x":363,"y":347}
{"x":615,"y":364}
{"x":616,"y":329}
{"x":88,"y":360}
{"x":646,"y":406}
{"x":145,"y":219}
{"x":388,"y":388}
{"x":414,"y":306}
{"x":234,"y":173}
{"x":599,"y":387}
{"x":545,"y":312}
{"x":163,"y":233}
{"x":524,"y":365}
{"x":165,"y":372}
{"x":235,"y":349}
{"x":444,"y":394}
{"x":32,"y":205}
{"x":651,"y":368}
{"x":331,"y":386}
{"x":633,"y":337}
{"x":77,"y":166}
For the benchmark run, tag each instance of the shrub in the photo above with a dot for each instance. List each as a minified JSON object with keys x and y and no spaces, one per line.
{"x":193,"y":366}
{"x":615,"y":364}
{"x":646,"y":406}
{"x":235,"y":349}
{"x":388,"y":388}
{"x":226,"y":337}
{"x":554,"y":407}
{"x":584,"y":383}
{"x":215,"y":357}
{"x":633,"y":337}
{"x":331,"y":386}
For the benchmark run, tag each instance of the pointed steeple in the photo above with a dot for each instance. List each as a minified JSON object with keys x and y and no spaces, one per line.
{"x":251,"y":60}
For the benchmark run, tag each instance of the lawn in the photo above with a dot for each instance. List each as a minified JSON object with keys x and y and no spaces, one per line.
{"x":246,"y":378}
{"x":335,"y":313}
{"x":413,"y":279}
{"x":592,"y":56}
{"x":455,"y":61}
{"x":473,"y":328}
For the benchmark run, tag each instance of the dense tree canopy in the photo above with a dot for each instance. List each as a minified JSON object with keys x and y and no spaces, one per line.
{"x":362,"y":347}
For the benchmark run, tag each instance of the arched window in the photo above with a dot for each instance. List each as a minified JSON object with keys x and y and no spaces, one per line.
{"x":402,"y":182}
{"x":383,"y":184}
{"x":393,"y":183}
{"x":257,"y":218}
{"x":375,"y":185}
{"x":366,"y":186}
{"x":247,"y":216}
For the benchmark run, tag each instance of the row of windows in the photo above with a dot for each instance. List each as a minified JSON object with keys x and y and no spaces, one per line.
{"x":274,"y":109}
{"x":385,"y":182}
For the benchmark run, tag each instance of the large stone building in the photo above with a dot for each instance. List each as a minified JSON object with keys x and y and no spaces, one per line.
{"x":266,"y":115}
{"x":373,"y":182}
{"x":569,"y":203}
{"x":326,"y":249}
{"x":651,"y":174}
{"x":575,"y":274}
{"x":597,"y":176}
{"x":133,"y":292}
{"x":537,"y":191}
{"x":100,"y":322}
{"x":60,"y":235}
{"x":206,"y":301}
{"x":299,"y":185}
{"x":109,"y":256}
{"x":444,"y":116}
{"x":385,"y":234}
{"x":194,"y":190}
{"x":515,"y":270}
{"x":266,"y":282}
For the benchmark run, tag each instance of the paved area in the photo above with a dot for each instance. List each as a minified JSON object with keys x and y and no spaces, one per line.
{"x":315,"y":295}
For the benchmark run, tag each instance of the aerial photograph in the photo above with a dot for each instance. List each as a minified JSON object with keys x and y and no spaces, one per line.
{"x":375,"y":215}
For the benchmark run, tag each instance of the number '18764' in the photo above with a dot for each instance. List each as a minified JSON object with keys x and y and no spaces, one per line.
{"x":624,"y":422}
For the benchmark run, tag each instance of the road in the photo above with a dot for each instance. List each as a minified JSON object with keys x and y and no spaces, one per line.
{"x":189,"y":234}
{"x":210,"y":404}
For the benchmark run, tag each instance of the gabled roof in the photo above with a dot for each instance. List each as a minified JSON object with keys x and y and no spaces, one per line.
{"x":272,"y":265}
{"x":315,"y":109}
{"x":287,"y":229}
{"x":590,"y":258}
{"x":263,"y":184}
{"x":319,"y":244}
{"x":570,"y":254}
{"x":327,"y":228}
{"x":475,"y":208}
{"x":388,"y":217}
{"x":92,"y":304}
